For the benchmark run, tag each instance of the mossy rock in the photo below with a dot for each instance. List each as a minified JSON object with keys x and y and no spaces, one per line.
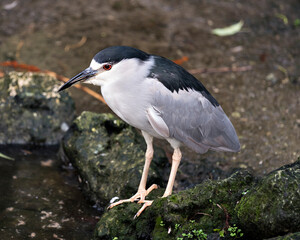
{"x":239,"y":207}
{"x":290,"y":236}
{"x":32,"y":112}
{"x":273,"y":206}
{"x":109,"y":156}
{"x":206,"y":207}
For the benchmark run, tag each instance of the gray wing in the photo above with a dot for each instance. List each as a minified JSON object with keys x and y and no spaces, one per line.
{"x":194,"y":120}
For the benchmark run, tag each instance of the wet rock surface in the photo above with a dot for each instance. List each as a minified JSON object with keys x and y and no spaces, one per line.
{"x":241,"y":205}
{"x":291,"y":236}
{"x":32,"y":112}
{"x":109,"y":156}
{"x":202,"y":207}
{"x":273,"y":206}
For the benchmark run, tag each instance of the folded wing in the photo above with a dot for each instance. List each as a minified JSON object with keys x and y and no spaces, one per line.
{"x":193,"y":120}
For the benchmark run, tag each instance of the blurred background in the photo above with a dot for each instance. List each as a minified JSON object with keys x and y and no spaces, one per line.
{"x":254,"y":71}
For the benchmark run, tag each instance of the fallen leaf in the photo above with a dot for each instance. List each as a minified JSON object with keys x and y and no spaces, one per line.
{"x":230,"y":30}
{"x":283,"y":18}
{"x":6,"y":157}
{"x":10,"y":6}
{"x":236,"y":114}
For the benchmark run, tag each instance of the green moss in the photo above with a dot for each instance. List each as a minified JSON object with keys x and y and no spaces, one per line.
{"x":273,"y":205}
{"x":160,"y":230}
{"x":198,"y":204}
{"x":237,"y":207}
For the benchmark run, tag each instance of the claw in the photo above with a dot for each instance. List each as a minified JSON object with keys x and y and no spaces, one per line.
{"x":146,"y":204}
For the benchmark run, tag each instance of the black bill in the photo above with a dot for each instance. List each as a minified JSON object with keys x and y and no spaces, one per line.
{"x":84,"y":75}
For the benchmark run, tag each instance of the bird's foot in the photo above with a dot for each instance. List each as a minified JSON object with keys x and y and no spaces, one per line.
{"x":147,"y":203}
{"x":138,"y":197}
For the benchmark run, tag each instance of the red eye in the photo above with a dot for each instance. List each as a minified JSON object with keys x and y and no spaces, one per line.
{"x":107,"y":67}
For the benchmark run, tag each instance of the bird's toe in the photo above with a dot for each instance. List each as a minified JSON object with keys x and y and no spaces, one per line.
{"x":118,"y":203}
{"x":146,"y":204}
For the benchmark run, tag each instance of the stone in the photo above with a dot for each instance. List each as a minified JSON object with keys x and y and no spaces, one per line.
{"x":199,"y":210}
{"x":32,"y":112}
{"x":290,"y":236}
{"x":240,"y":206}
{"x":272,"y":207}
{"x":109,"y":156}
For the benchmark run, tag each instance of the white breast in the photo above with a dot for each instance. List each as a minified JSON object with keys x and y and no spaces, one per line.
{"x":130,"y":97}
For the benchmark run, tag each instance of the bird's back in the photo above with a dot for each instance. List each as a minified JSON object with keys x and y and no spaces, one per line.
{"x":192,"y":114}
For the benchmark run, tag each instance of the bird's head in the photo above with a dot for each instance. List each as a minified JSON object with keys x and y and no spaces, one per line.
{"x":111,"y":64}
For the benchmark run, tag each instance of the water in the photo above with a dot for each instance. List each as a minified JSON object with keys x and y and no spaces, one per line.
{"x":41,"y":200}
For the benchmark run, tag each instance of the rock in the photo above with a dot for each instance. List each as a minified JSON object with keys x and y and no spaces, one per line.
{"x":290,"y":236}
{"x":109,"y":156}
{"x":199,"y":210}
{"x":272,"y":207}
{"x":32,"y":112}
{"x":237,"y":207}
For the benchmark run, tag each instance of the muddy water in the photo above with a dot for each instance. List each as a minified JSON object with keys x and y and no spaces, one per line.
{"x":40,"y":200}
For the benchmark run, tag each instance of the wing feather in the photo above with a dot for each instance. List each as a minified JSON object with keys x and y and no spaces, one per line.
{"x":195,"y":121}
{"x":154,"y":117}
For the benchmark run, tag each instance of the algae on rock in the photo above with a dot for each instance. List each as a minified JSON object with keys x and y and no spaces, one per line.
{"x":32,"y":112}
{"x":290,"y":236}
{"x":258,"y":209}
{"x":204,"y":207}
{"x":109,"y":156}
{"x":273,"y":206}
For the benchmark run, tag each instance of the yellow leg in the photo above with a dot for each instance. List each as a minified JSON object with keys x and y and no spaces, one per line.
{"x":142,"y":192}
{"x":149,"y":155}
{"x":176,"y":158}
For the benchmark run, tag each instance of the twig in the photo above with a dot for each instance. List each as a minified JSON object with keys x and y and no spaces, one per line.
{"x":76,"y":45}
{"x":206,"y":214}
{"x":226,"y":215}
{"x":16,"y":65}
{"x":181,"y":60}
{"x":18,"y":50}
{"x":221,"y":69}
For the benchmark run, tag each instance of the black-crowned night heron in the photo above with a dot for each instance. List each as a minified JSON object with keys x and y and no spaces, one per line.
{"x":164,"y":101}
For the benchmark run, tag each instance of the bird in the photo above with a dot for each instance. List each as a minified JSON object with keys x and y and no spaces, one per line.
{"x":163,"y":100}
